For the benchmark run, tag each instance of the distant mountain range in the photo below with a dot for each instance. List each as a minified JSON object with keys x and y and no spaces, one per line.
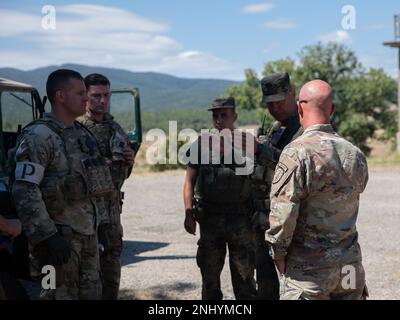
{"x":159,"y":92}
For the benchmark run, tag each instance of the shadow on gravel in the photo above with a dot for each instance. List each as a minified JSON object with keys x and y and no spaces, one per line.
{"x":166,"y":292}
{"x":131,"y":250}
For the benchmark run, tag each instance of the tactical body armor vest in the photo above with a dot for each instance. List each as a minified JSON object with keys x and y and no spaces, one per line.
{"x":88,"y":175}
{"x":277,"y":138}
{"x":219,"y":188}
{"x":111,"y":142}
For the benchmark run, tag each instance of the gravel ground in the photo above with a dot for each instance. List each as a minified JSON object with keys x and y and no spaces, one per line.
{"x":159,"y":256}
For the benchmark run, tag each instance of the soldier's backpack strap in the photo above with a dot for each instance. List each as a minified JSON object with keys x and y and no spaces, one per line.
{"x":48,"y":123}
{"x":53,"y":126}
{"x":85,"y":128}
{"x":90,"y":133}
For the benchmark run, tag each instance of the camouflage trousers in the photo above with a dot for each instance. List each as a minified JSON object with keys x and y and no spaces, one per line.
{"x":79,"y":278}
{"x":339,"y":282}
{"x":110,"y":235}
{"x":267,"y":277}
{"x":217,"y":231}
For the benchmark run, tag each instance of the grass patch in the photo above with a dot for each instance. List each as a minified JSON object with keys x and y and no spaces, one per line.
{"x":392,"y":161}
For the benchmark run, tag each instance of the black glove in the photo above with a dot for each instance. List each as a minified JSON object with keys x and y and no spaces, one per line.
{"x":103,"y":237}
{"x":59,"y":249}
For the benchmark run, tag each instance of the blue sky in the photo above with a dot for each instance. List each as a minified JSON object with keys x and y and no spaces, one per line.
{"x":206,"y":39}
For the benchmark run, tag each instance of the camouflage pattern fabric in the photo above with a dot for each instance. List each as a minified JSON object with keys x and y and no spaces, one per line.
{"x":60,"y":194}
{"x":79,"y":278}
{"x":110,"y":235}
{"x":217,"y":231}
{"x":223,"y":211}
{"x":63,"y":194}
{"x":266,"y":161}
{"x":314,"y":205}
{"x":328,"y":283}
{"x":112,"y":140}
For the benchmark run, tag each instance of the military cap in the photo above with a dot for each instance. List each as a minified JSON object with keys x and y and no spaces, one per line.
{"x":275,"y":87}
{"x":223,"y":103}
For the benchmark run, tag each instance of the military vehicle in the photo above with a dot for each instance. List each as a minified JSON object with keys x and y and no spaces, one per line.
{"x":20,"y":103}
{"x":125,"y":107}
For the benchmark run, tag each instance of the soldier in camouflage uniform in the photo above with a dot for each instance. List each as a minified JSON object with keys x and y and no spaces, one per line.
{"x":314,"y":206}
{"x":58,"y":176}
{"x":279,"y":98}
{"x":113,"y":143}
{"x":220,"y":201}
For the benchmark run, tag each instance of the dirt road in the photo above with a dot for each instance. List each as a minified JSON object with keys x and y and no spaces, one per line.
{"x":159,"y":256}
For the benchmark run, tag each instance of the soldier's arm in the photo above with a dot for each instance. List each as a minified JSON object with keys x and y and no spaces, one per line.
{"x":287,"y":191}
{"x":33,"y":155}
{"x":266,"y":153}
{"x":364,"y":171}
{"x":129,"y":154}
{"x":188,"y":191}
{"x":188,"y":187}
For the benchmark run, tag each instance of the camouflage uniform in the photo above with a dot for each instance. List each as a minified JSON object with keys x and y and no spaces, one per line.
{"x":223,"y":213}
{"x":314,"y":207}
{"x":59,"y":174}
{"x":275,"y":88}
{"x":267,"y":158}
{"x":223,"y":210}
{"x":111,"y":139}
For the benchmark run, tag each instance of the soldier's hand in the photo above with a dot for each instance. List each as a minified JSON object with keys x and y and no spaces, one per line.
{"x":59,"y":249}
{"x":102,"y":236}
{"x":190,"y":222}
{"x":129,"y":156}
{"x":12,"y":228}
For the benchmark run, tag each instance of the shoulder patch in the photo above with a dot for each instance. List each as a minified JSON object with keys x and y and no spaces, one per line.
{"x":280,"y":170}
{"x":283,"y":170}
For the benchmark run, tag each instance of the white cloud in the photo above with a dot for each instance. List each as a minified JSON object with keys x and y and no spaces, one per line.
{"x":258,"y":8}
{"x":208,"y":63}
{"x":100,"y":18}
{"x":107,"y":36}
{"x":280,"y":24}
{"x":339,"y":36}
{"x":15,"y":23}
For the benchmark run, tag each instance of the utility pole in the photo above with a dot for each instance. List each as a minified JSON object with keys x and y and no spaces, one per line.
{"x":396,"y":44}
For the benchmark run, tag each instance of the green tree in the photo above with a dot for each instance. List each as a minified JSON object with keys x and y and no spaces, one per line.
{"x":363,"y":98}
{"x":248,"y":95}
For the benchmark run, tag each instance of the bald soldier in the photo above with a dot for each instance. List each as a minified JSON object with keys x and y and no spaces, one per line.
{"x":314,"y":205}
